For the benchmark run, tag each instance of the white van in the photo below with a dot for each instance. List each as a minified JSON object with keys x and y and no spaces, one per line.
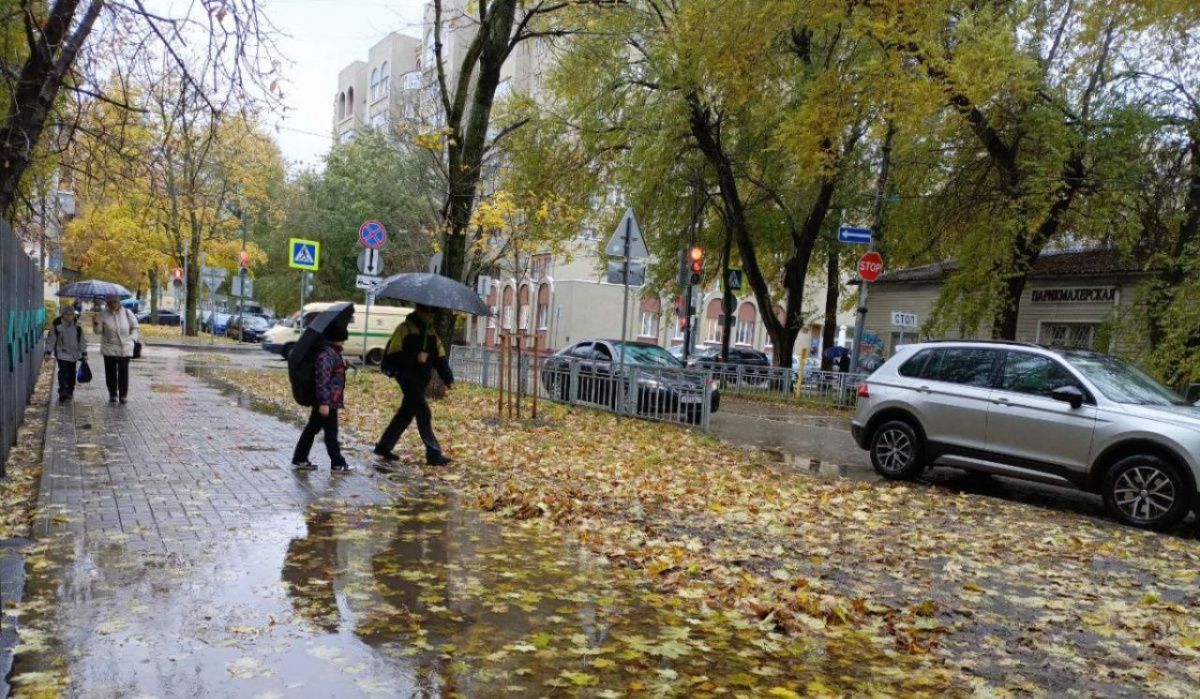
{"x":384,"y":320}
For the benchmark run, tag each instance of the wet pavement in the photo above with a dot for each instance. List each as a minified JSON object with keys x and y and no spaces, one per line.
{"x":818,"y":442}
{"x":179,"y":555}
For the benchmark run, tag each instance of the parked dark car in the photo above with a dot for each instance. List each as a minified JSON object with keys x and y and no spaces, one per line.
{"x":746,"y":367}
{"x":220,"y":320}
{"x":249,"y":330}
{"x":165,"y":317}
{"x":600,"y":378}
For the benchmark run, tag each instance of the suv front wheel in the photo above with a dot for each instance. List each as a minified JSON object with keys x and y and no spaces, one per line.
{"x":896,"y":450}
{"x":1146,"y":491}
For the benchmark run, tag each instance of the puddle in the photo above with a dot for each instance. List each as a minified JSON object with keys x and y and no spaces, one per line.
{"x":242,"y":397}
{"x":413,"y":598}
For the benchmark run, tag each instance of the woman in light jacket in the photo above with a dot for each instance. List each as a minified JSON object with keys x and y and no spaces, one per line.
{"x":117,"y":328}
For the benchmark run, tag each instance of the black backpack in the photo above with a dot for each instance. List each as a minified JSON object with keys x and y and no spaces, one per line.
{"x":303,"y":376}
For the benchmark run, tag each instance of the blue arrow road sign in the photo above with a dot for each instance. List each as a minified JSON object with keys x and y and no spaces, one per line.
{"x":854,"y":236}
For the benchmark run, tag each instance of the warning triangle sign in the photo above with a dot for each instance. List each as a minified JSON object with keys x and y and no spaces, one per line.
{"x":304,"y":255}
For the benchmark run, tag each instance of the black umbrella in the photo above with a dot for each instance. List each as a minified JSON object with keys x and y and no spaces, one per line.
{"x":300,"y":364}
{"x":94,"y":289}
{"x":338,"y":315}
{"x":432,"y":290}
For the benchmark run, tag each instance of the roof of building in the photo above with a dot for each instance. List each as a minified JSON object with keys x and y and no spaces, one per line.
{"x":1077,"y":263}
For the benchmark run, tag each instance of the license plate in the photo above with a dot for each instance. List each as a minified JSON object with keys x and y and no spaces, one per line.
{"x":691,"y":399}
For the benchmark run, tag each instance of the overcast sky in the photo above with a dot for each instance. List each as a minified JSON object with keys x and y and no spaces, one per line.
{"x":323,"y":36}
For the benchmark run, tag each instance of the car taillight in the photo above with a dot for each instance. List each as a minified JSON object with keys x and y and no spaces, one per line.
{"x":863,"y":391}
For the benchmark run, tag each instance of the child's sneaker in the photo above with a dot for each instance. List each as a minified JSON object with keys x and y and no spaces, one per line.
{"x":304,"y":466}
{"x":341,"y":468}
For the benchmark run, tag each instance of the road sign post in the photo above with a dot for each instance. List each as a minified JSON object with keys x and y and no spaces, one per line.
{"x":626,"y":242}
{"x":852,"y":235}
{"x":870,"y":266}
{"x":874,"y":264}
{"x":372,"y":236}
{"x":304,"y":254}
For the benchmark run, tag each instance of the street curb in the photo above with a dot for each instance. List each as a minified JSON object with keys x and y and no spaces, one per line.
{"x":205,"y":347}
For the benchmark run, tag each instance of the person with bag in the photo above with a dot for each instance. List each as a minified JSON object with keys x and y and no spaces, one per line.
{"x":68,"y":345}
{"x":329,"y":381}
{"x":120,"y":340}
{"x":411,"y":356}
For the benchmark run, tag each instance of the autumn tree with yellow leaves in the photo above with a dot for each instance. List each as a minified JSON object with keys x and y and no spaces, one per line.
{"x":169,"y":190}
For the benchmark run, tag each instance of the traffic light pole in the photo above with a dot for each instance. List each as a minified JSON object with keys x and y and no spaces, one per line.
{"x":244,"y":273}
{"x":876,"y":225}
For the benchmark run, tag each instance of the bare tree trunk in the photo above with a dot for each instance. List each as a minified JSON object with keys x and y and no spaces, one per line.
{"x":52,"y":53}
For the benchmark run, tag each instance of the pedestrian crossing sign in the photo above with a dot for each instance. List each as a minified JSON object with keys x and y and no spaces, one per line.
{"x":304,"y":254}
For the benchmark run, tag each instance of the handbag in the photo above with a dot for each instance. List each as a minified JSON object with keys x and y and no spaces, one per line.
{"x":436,"y":388}
{"x":137,"y":350}
{"x":84,"y":373}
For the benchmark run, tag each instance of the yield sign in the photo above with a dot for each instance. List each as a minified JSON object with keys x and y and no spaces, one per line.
{"x":637,"y":244}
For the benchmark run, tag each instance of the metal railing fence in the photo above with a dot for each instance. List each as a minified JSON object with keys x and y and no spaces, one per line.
{"x":651,"y":393}
{"x":22,"y":319}
{"x":827,"y":387}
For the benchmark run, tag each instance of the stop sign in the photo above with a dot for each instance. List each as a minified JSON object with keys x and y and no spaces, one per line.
{"x":870,"y":266}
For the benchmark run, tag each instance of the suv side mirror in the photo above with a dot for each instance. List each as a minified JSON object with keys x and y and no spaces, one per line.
{"x":1068,"y":394}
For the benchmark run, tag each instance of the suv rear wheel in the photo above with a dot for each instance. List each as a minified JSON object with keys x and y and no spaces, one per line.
{"x":1146,"y":491}
{"x":896,"y":450}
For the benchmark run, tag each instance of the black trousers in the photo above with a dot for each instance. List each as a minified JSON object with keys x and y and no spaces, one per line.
{"x":66,"y":377}
{"x":413,"y":406}
{"x":116,"y":375}
{"x":317,"y":423}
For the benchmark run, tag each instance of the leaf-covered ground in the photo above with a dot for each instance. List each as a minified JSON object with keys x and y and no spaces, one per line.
{"x":19,"y":487}
{"x":925,"y":590}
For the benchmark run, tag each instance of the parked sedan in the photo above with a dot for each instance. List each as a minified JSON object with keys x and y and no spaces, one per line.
{"x":662,"y":387}
{"x":215,"y":323}
{"x":752,"y":366}
{"x":164,"y":318}
{"x":251,"y":329}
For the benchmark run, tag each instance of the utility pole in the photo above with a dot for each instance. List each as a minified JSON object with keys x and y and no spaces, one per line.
{"x":243,"y":274}
{"x":876,"y":227}
{"x":726,"y":297}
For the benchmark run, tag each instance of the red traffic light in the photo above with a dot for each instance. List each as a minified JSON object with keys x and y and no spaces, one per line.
{"x":696,"y":255}
{"x":244,"y":259}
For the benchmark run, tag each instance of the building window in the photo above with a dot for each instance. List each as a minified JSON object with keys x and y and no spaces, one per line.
{"x":744,"y":332}
{"x":539,"y":267}
{"x":1076,"y":335}
{"x":374,"y":83}
{"x":380,"y":120}
{"x":714,"y":329}
{"x":384,"y":78}
{"x":543,"y":317}
{"x":679,"y":330}
{"x":350,"y":101}
{"x":649,"y":324}
{"x":340,"y":110}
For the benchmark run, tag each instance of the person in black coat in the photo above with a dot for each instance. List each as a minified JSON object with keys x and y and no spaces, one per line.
{"x":844,"y":363}
{"x":412,"y":354}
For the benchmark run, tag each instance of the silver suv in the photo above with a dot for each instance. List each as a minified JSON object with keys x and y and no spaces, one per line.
{"x":1067,"y":417}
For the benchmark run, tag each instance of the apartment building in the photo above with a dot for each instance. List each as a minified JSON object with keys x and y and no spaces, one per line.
{"x":378,"y":90}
